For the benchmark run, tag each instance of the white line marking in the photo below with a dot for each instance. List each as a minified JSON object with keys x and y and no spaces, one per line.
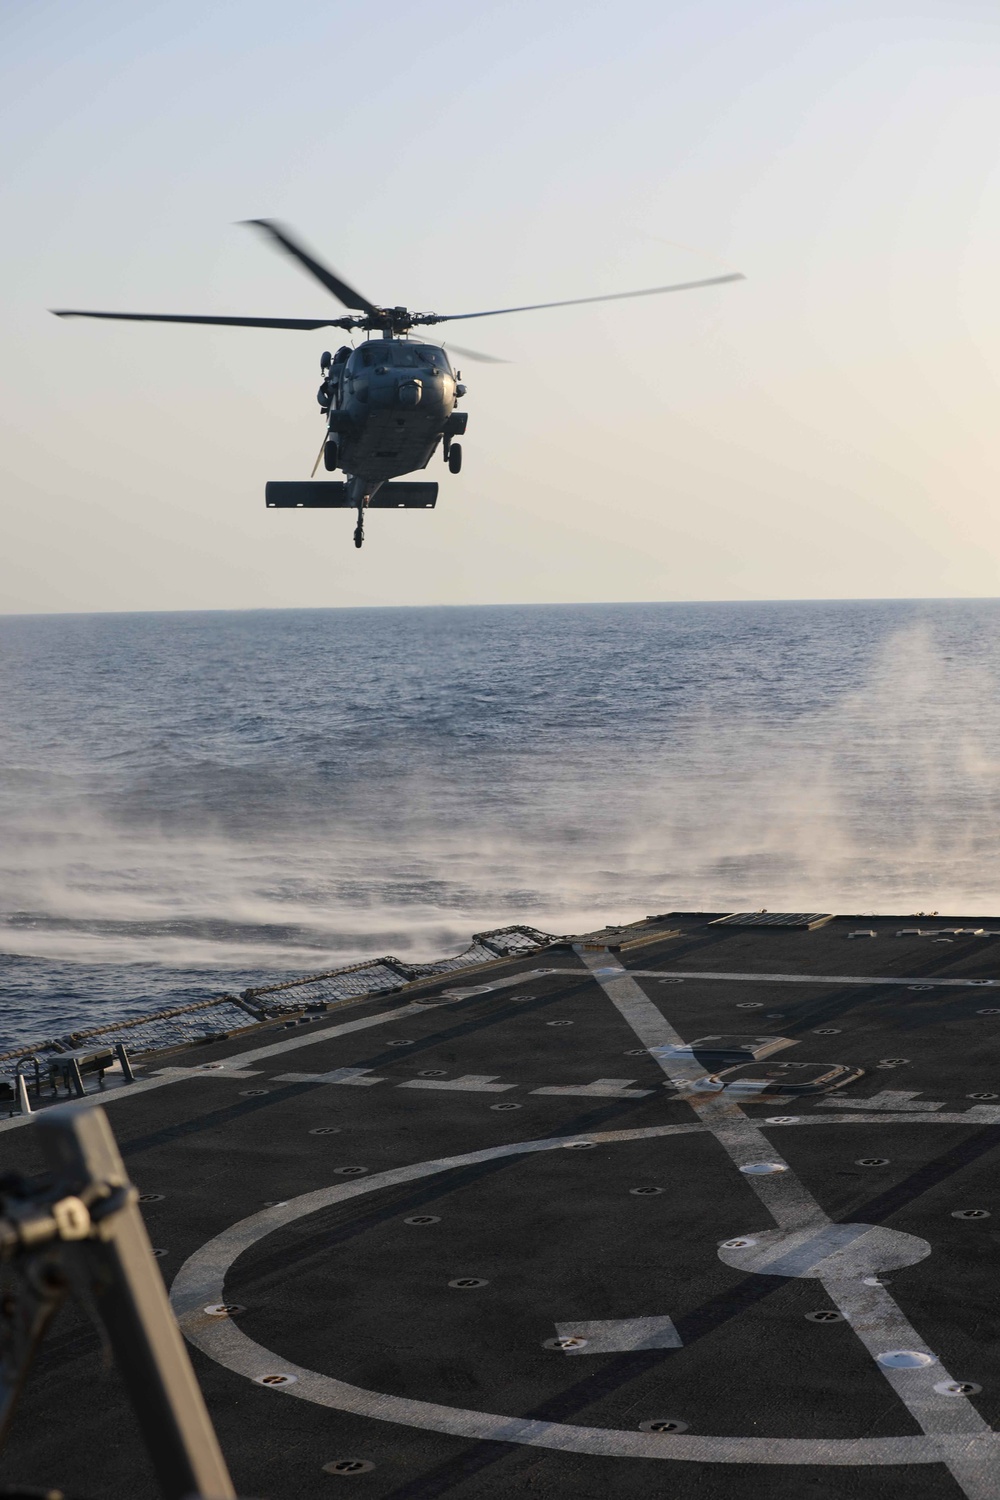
{"x":602,"y":1088}
{"x":758,"y":978}
{"x":871,"y":1311}
{"x":966,"y":1117}
{"x":201,"y":1070}
{"x":476,"y":1083}
{"x":780,"y":1192}
{"x":621,"y":1335}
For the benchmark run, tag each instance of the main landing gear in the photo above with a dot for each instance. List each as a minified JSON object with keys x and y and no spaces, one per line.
{"x":454,"y":457}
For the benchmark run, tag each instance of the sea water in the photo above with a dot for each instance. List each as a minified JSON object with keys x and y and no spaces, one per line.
{"x":190,"y":803}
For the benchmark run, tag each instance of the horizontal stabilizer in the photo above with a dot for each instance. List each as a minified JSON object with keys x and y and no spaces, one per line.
{"x":328,"y":494}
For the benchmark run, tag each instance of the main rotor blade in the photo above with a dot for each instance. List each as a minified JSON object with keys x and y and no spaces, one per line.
{"x":340,"y":289}
{"x":306,"y":323}
{"x":652,"y":291}
{"x":484,"y":359}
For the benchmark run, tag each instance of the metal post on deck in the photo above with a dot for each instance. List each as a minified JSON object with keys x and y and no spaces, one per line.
{"x":76,"y":1077}
{"x":82,"y":1219}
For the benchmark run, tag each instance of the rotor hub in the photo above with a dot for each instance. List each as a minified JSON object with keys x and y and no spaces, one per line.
{"x":392,"y":321}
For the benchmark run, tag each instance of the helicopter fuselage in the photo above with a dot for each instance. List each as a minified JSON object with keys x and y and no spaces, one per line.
{"x":388,"y":405}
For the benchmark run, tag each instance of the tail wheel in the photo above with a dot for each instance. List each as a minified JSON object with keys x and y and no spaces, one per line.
{"x":455,"y":458}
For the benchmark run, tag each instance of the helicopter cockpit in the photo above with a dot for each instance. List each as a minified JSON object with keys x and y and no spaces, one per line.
{"x":398,"y":354}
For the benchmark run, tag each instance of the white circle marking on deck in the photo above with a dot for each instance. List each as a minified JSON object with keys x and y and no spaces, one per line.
{"x":201,"y":1280}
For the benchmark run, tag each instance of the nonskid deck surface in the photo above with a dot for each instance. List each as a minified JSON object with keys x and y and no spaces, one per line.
{"x":496,"y":1235}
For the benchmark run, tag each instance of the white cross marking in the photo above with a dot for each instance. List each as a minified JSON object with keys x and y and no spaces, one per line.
{"x":601,"y":1088}
{"x":359,"y":1076}
{"x":901,"y":1099}
{"x":477,"y":1083}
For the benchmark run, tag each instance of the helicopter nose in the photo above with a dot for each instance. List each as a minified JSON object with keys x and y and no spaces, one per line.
{"x":410,"y":392}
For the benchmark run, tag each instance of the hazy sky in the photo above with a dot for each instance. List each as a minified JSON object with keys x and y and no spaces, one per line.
{"x":827,"y":428}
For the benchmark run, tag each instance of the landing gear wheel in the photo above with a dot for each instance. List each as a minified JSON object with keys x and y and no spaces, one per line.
{"x":331,"y":456}
{"x":455,"y":457}
{"x":359,"y":536}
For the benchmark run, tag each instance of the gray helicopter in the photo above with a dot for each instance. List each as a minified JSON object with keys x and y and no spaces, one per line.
{"x":389,"y":402}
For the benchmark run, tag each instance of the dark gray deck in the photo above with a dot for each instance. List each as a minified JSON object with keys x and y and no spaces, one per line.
{"x":526,"y":1141}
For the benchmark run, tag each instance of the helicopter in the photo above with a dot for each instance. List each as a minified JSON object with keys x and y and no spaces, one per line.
{"x":389,"y":402}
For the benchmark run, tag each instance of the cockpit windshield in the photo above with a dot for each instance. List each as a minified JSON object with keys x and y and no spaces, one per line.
{"x":431,"y":355}
{"x":402,"y":355}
